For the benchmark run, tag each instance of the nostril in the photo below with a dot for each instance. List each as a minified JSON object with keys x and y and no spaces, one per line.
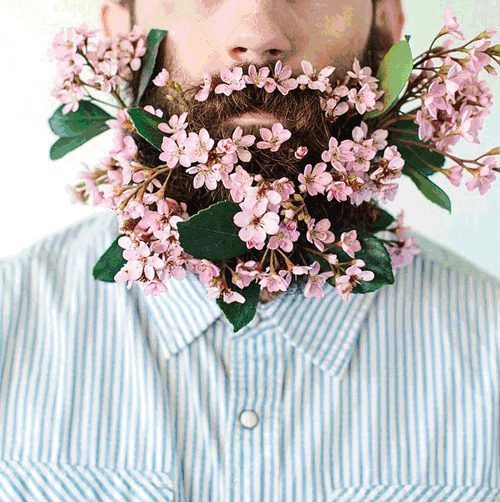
{"x":239,"y":50}
{"x":274,"y":52}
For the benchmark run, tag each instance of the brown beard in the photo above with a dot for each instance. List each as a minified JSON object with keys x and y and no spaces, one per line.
{"x":299,"y":111}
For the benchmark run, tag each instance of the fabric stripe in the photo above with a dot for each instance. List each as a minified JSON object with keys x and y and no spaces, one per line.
{"x":108,"y":394}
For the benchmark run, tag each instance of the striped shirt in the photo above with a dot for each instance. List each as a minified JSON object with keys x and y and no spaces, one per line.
{"x":107,"y":394}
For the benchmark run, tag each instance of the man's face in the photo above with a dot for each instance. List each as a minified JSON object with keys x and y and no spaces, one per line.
{"x":221,"y":33}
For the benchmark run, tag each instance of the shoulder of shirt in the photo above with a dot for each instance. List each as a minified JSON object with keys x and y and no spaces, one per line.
{"x":84,"y":237}
{"x":440,"y":257}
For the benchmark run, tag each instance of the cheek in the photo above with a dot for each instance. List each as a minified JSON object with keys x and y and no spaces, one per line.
{"x":337,"y":33}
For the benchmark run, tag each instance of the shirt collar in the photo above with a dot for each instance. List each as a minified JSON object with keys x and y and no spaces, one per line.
{"x":324,"y":329}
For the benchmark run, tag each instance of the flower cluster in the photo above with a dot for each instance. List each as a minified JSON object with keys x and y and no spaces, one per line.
{"x":85,"y":63}
{"x":273,"y":217}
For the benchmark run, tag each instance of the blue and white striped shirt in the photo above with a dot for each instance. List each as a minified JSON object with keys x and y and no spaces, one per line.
{"x":110,"y":395}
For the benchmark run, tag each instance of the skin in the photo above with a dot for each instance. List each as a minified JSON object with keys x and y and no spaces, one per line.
{"x":214,"y":34}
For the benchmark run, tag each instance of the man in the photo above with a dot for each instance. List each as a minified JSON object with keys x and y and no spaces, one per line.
{"x":109,"y":394}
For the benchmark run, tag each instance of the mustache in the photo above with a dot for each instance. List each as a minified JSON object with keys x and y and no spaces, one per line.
{"x":299,"y":109}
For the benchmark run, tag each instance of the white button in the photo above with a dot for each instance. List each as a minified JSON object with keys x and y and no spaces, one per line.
{"x":249,"y":419}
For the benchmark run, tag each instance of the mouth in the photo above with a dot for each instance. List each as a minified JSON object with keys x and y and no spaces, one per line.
{"x":261,"y":119}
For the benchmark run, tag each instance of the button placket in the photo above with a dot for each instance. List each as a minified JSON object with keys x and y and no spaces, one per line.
{"x":253,"y":423}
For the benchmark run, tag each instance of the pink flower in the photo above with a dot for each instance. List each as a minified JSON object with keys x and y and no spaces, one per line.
{"x":175,"y":125}
{"x":313,"y":79}
{"x":316,"y":281}
{"x":362,"y":75}
{"x":273,"y":281}
{"x":319,"y":233}
{"x":284,"y":187}
{"x":236,"y":147}
{"x":66,"y":43}
{"x":364,"y":99}
{"x":484,"y":177}
{"x":233,"y":81}
{"x":139,"y":261}
{"x":162,"y":78}
{"x":228,"y":295}
{"x":153,"y":111}
{"x":314,"y":181}
{"x":207,"y":175}
{"x":259,"y":78}
{"x":350,"y":243}
{"x":256,"y":223}
{"x":285,"y":237}
{"x":451,"y":25}
{"x":155,"y":287}
{"x":338,"y":155}
{"x":455,"y":175}
{"x":204,"y":92}
{"x":174,"y":151}
{"x":353,"y":275}
{"x":206,"y":270}
{"x":338,"y":190}
{"x":273,"y":138}
{"x":244,"y":274}
{"x":403,"y":255}
{"x":301,"y":152}
{"x":240,"y":182}
{"x":198,"y":146}
{"x":281,"y":79}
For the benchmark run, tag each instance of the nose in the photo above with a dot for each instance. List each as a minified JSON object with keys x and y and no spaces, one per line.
{"x":258,"y":39}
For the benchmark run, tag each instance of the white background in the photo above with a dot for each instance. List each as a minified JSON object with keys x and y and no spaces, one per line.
{"x":33,"y":199}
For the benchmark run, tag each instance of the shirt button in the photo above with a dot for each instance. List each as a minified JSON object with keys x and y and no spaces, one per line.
{"x":249,"y":419}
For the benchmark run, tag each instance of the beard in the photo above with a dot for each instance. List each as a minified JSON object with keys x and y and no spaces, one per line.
{"x":299,"y":111}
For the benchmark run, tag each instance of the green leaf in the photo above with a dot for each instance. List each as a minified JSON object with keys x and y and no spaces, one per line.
{"x":383,"y":220}
{"x":430,"y":190}
{"x":66,"y":145}
{"x":377,"y":259}
{"x":211,"y":233}
{"x":393,"y":73}
{"x":147,"y":126}
{"x":88,"y":117}
{"x":76,"y":128}
{"x":416,"y":157}
{"x":153,"y":42}
{"x":240,"y":314}
{"x":110,"y":263}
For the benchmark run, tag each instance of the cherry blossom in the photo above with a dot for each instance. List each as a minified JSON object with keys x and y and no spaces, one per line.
{"x":175,"y":125}
{"x":162,"y":78}
{"x":174,"y":151}
{"x":275,"y":281}
{"x":451,"y":25}
{"x":257,"y":78}
{"x":350,"y":243}
{"x":273,"y":138}
{"x":204,"y":92}
{"x":483,"y":177}
{"x":319,"y":233}
{"x":256,"y":222}
{"x":285,"y":237}
{"x":198,"y":146}
{"x":233,"y":81}
{"x":313,"y":79}
{"x":314,"y":180}
{"x":344,"y":284}
{"x":316,"y":281}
